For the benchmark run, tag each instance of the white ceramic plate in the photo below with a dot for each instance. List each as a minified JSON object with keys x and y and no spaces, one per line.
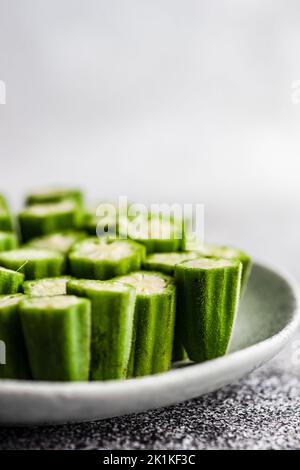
{"x":267,"y":318}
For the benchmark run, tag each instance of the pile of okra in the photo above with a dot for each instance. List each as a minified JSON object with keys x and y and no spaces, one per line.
{"x":75,"y":306}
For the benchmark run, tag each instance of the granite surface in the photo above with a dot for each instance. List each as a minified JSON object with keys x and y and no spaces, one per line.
{"x":262,"y":411}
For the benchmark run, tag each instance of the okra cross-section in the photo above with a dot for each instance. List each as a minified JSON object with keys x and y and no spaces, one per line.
{"x":155,"y":233}
{"x":13,"y":356}
{"x":59,"y":241}
{"x":35,"y":264}
{"x":10,"y":281}
{"x":55,"y":195}
{"x":46,"y":287}
{"x":57,"y":336}
{"x":8,"y":241}
{"x":154,"y":321}
{"x":42,"y":219}
{"x":228,"y":252}
{"x":113,"y":307}
{"x":208,"y":295}
{"x":6,"y":219}
{"x":101,"y":258}
{"x":165,"y":263}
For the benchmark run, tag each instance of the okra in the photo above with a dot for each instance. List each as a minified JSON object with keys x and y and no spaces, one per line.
{"x":57,"y":335}
{"x":6,"y":219}
{"x":102,"y":258}
{"x":10,"y":281}
{"x":154,"y":320}
{"x":42,"y":219}
{"x":8,"y":241}
{"x":165,"y":263}
{"x":228,"y":252}
{"x":35,"y":264}
{"x":208,"y":295}
{"x":13,"y":355}
{"x":156,"y":234}
{"x":59,"y":241}
{"x":55,"y":195}
{"x":46,"y":287}
{"x":113,"y":306}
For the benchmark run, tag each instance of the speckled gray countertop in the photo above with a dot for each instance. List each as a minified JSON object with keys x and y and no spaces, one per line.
{"x":262,"y":411}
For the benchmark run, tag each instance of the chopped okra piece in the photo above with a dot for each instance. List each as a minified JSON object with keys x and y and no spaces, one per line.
{"x":208,"y":296}
{"x":113,"y":307}
{"x":46,"y":287}
{"x":43,"y":219}
{"x":35,"y":264}
{"x":8,"y":241}
{"x":6,"y":219}
{"x":59,"y":241}
{"x":154,"y":321}
{"x":228,"y":252}
{"x":13,"y":354}
{"x":156,"y":234}
{"x":57,"y":335}
{"x":165,"y":263}
{"x":102,"y":258}
{"x":55,"y":195}
{"x":10,"y":281}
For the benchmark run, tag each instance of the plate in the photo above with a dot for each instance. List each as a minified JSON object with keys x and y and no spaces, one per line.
{"x":268,"y":316}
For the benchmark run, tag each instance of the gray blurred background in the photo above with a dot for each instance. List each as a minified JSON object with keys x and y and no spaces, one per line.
{"x":161,"y":100}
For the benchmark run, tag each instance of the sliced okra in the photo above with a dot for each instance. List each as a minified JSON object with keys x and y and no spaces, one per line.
{"x":96,"y":258}
{"x":35,"y":264}
{"x":59,"y":241}
{"x":165,"y":263}
{"x":113,"y":307}
{"x":8,"y":241}
{"x":55,"y":195}
{"x":46,"y":287}
{"x":13,"y":355}
{"x":6,"y":219}
{"x":42,"y":219}
{"x":154,"y":321}
{"x":10,"y":281}
{"x":57,"y":335}
{"x":208,"y":296}
{"x":228,"y":252}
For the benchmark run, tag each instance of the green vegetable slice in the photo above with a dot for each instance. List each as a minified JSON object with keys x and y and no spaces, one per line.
{"x":228,"y":252}
{"x":208,"y":295}
{"x":42,"y":219}
{"x":103,"y":259}
{"x":13,"y":355}
{"x":154,"y":321}
{"x":165,"y":263}
{"x":6,"y":219}
{"x":113,"y":306}
{"x":57,"y":336}
{"x":55,"y":195}
{"x":35,"y":264}
{"x":8,"y":241}
{"x":155,"y":233}
{"x":10,"y":281}
{"x":46,"y":287}
{"x":59,"y":241}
